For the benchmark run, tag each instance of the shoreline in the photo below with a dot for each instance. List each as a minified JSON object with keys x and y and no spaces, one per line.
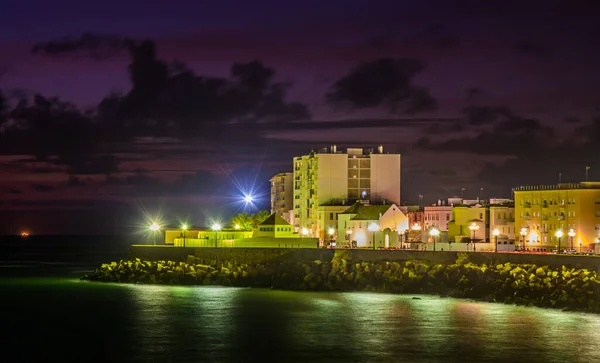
{"x":569,"y":289}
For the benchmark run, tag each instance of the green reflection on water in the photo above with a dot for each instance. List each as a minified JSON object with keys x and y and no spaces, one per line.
{"x":165,"y":323}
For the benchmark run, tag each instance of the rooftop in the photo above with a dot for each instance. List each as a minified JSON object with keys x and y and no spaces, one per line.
{"x":560,"y":186}
{"x":274,"y":220}
{"x":366,"y":212}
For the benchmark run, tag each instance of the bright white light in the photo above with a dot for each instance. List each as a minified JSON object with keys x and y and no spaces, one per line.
{"x":305,"y":231}
{"x":248,"y":199}
{"x":373,"y":227}
{"x":496,"y":232}
{"x":216,"y":227}
{"x":474,"y":227}
{"x":154,"y":227}
{"x":571,"y":233}
{"x":416,"y":227}
{"x":184,"y":226}
{"x":434,"y":232}
{"x":559,"y":233}
{"x":331,"y":231}
{"x":237,"y":226}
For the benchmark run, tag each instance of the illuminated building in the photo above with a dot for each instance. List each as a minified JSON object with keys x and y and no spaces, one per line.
{"x":282,"y":194}
{"x":464,"y":218}
{"x":273,"y":232}
{"x":502,"y":218}
{"x":333,"y":177}
{"x":437,"y":215}
{"x":356,"y":226}
{"x":542,"y":210}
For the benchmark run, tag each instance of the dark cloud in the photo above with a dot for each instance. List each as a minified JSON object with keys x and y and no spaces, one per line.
{"x":572,"y":120}
{"x":481,"y":115}
{"x":509,"y":134}
{"x":97,"y":46}
{"x":532,"y":48}
{"x":75,"y":181}
{"x":43,"y":187}
{"x":385,"y":82}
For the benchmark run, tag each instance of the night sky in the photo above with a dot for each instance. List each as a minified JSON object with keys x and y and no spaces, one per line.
{"x":175,"y":107}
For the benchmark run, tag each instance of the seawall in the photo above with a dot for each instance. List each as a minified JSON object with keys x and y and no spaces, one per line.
{"x":263,"y":255}
{"x":346,"y":270}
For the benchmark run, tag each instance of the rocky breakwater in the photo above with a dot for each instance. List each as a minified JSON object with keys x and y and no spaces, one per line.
{"x":522,"y":284}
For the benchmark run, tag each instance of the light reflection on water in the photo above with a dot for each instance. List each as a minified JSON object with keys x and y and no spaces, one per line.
{"x":179,"y":324}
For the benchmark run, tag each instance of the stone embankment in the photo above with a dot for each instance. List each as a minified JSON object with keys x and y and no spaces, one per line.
{"x":522,"y":284}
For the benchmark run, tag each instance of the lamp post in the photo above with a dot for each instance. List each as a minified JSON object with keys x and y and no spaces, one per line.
{"x":558,"y":235}
{"x":434,"y":232}
{"x":416,"y":228}
{"x":349,"y":237}
{"x":154,"y":227}
{"x":373,"y":227}
{"x":523,"y":234}
{"x":331,"y":231}
{"x":216,"y":227}
{"x":496,"y":233}
{"x":184,"y":229}
{"x":572,"y":237}
{"x":474,"y":228}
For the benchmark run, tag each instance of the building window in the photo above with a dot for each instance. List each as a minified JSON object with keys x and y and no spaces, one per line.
{"x":330,"y":216}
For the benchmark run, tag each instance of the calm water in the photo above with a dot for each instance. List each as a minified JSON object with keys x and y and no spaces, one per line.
{"x":49,"y":315}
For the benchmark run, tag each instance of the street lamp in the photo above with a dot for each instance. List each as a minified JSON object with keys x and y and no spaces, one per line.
{"x":415,"y":228}
{"x":474,"y":228}
{"x":434,"y":232}
{"x":373,"y":227}
{"x":572,"y":236}
{"x":331,"y":231}
{"x":558,"y":235}
{"x":154,"y":227}
{"x":216,"y":227}
{"x":496,"y":233}
{"x":523,"y":234}
{"x":184,"y":229}
{"x":237,"y":226}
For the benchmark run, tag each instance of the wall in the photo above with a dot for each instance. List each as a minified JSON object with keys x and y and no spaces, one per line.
{"x":385,"y":178}
{"x":332,"y":178}
{"x":259,"y":255}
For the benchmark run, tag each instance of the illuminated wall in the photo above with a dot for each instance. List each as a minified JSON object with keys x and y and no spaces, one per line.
{"x":331,"y":177}
{"x":385,"y":178}
{"x":282,"y":195}
{"x":544,"y":209}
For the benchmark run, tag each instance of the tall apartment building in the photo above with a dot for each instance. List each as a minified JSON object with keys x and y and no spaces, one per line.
{"x":334,"y":177}
{"x":542,"y":210}
{"x":282,"y":195}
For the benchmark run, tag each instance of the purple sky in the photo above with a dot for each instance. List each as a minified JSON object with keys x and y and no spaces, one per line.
{"x":539,"y":59}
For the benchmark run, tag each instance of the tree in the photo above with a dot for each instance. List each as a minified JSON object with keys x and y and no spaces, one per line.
{"x":259,"y":217}
{"x":243,"y":220}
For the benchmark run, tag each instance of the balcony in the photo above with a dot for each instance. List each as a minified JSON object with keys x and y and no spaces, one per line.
{"x":561,"y":218}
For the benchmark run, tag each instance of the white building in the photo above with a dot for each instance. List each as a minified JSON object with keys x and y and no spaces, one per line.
{"x":362,"y":225}
{"x":333,"y":177}
{"x":282,"y":196}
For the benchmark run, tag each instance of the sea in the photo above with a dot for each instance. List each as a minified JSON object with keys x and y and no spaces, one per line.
{"x":47,"y":314}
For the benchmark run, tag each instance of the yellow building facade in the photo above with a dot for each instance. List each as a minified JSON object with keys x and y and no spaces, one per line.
{"x":464,"y":218}
{"x":542,"y":210}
